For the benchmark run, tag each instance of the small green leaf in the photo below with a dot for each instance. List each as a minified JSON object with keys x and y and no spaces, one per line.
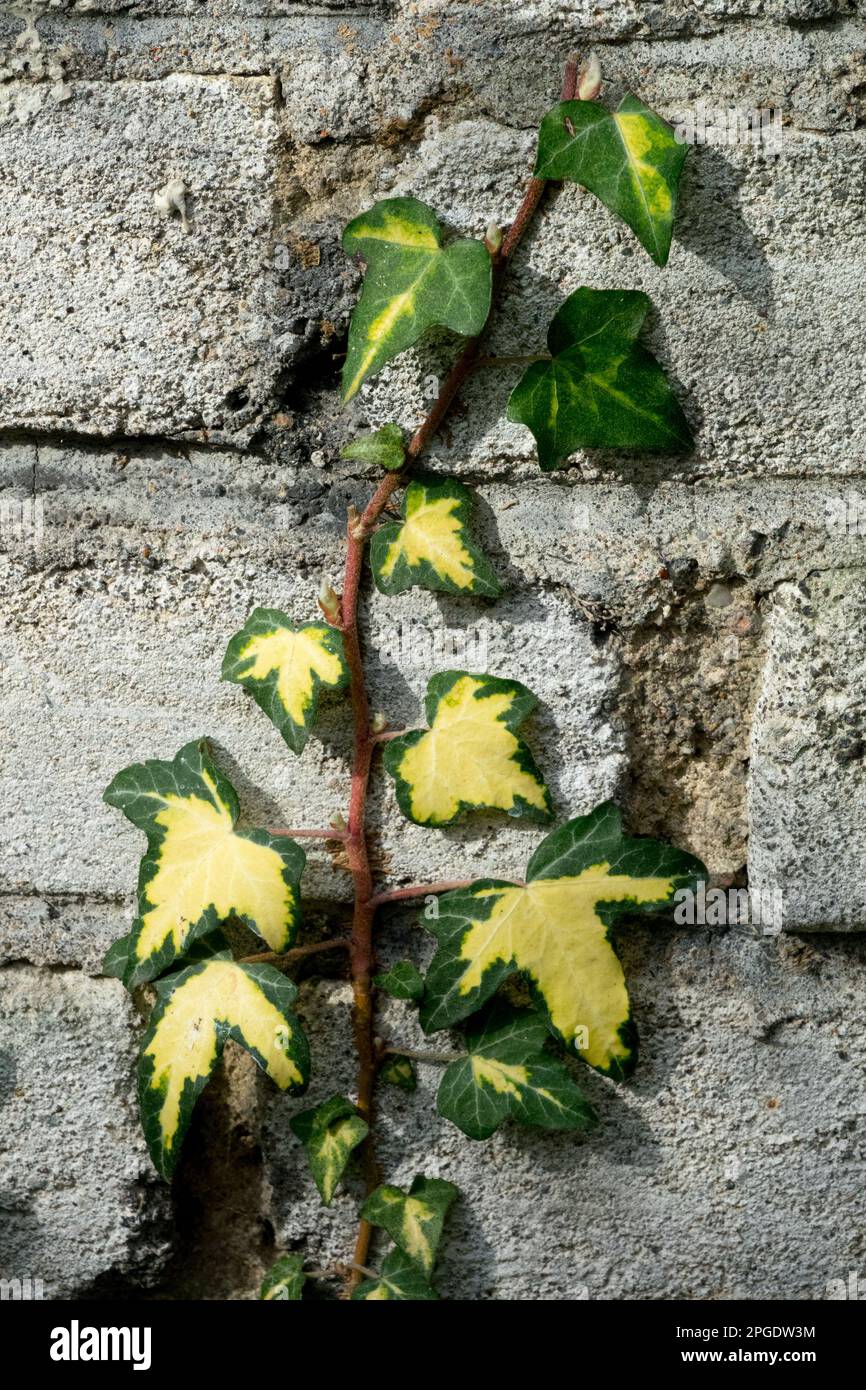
{"x":285,"y":1279}
{"x":115,"y":962}
{"x":601,"y":389}
{"x":329,"y":1133}
{"x":470,"y":757}
{"x":384,"y":447}
{"x":399,"y":1279}
{"x":508,"y":1072}
{"x":285,"y":665}
{"x":412,"y":283}
{"x":432,"y":547}
{"x":556,"y":931}
{"x":403,"y":981}
{"x":197,"y":1010}
{"x":198,"y":869}
{"x":413,"y":1219}
{"x":630,"y":159}
{"x":399,"y":1071}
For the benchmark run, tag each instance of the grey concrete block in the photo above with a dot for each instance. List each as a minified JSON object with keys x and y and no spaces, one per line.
{"x":807,"y":794}
{"x":82,"y":1205}
{"x":119,"y":320}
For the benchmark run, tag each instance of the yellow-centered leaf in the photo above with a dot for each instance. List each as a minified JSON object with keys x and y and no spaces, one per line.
{"x":471,"y":755}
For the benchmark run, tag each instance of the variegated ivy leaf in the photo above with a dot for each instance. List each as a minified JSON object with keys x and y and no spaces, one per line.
{"x":600,"y":389}
{"x":213,"y":946}
{"x":399,"y":1071}
{"x":329,"y":1133}
{"x":508,"y":1071}
{"x":383,"y":447}
{"x":470,"y":757}
{"x":284,"y":665}
{"x":198,"y":869}
{"x":412,"y":283}
{"x":413,"y":1219}
{"x":197,"y":1010}
{"x":284,"y":1281}
{"x":403,"y":981}
{"x":400,"y":1278}
{"x":432,"y":547}
{"x":556,"y":930}
{"x":630,"y":159}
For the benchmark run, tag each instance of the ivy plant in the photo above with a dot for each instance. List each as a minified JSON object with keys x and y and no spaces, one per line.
{"x":511,"y":1058}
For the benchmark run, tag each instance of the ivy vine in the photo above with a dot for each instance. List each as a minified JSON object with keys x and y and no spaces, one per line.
{"x":596,"y":386}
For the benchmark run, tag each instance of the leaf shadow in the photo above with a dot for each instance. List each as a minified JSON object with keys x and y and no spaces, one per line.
{"x":712,"y":226}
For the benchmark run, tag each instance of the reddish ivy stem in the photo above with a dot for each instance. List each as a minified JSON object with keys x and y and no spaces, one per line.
{"x":361,"y":950}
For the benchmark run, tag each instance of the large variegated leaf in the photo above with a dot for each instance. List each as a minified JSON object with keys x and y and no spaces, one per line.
{"x":556,"y":931}
{"x":413,"y":1219}
{"x":329,"y":1133}
{"x":432,"y":547}
{"x":509,"y":1071}
{"x":285,"y":1279}
{"x":601,"y":389}
{"x":198,"y":869}
{"x":400,"y":1278}
{"x":197,"y":1010}
{"x":284,"y":665}
{"x":384,"y":447}
{"x":629,"y":158}
{"x":471,"y":755}
{"x":412,"y":282}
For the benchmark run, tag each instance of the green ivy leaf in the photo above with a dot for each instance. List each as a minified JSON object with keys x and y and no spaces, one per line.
{"x":399,"y":1071}
{"x":508,"y":1072}
{"x":197,"y":1010}
{"x":213,"y":946}
{"x":413,"y":1219}
{"x":556,"y":931}
{"x":412,"y":283}
{"x":198,"y":870}
{"x":285,"y":1279}
{"x":285,"y":665}
{"x":470,"y":757}
{"x":630,"y":159}
{"x":399,"y":1279}
{"x":403,"y":981}
{"x":329,"y":1133}
{"x":432,"y":547}
{"x":383,"y":447}
{"x":601,"y":389}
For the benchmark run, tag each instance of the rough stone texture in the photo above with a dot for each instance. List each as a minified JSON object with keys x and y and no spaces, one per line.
{"x":169,"y":457}
{"x":80,"y":1200}
{"x":730,"y":1167}
{"x":807,"y":810}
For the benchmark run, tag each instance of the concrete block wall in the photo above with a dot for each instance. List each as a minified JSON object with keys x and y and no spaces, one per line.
{"x":169,"y":457}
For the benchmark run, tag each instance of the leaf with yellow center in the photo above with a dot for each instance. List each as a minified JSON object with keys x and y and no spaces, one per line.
{"x":630,"y":159}
{"x":400,"y":1279}
{"x":197,"y":1010}
{"x":198,"y":869}
{"x":509,"y":1070}
{"x":285,"y":665}
{"x":556,"y":931}
{"x":433,"y":546}
{"x":412,"y":283}
{"x":284,"y":1281}
{"x":329,"y":1133}
{"x":413,"y":1219}
{"x":470,"y":756}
